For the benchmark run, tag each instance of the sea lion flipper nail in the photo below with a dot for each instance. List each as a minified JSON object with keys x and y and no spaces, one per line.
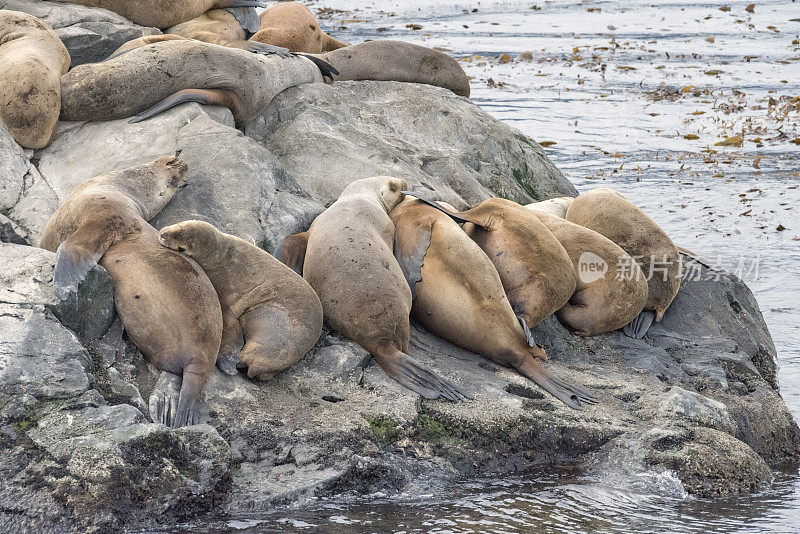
{"x":292,"y":251}
{"x":640,"y":325}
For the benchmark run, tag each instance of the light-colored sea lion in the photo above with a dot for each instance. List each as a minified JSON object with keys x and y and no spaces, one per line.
{"x":156,"y":77}
{"x":536,"y":271}
{"x":459,"y":296}
{"x":292,"y":25}
{"x":396,"y":61}
{"x":346,"y":256}
{"x":271,"y":316}
{"x":32,"y":60}
{"x":557,"y":206}
{"x":611,"y":289}
{"x":164,"y":13}
{"x":610,"y":214}
{"x":167,"y":304}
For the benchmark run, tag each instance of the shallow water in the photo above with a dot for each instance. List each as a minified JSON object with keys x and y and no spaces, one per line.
{"x":617,"y":86}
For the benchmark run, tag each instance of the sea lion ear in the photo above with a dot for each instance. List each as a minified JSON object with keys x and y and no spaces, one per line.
{"x":292,"y":251}
{"x":78,"y":255}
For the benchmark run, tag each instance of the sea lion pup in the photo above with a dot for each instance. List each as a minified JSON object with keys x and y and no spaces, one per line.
{"x":269,"y":312}
{"x":164,"y":13}
{"x":459,"y":297}
{"x":156,"y":77}
{"x":32,"y":60}
{"x":610,"y":214}
{"x":167,"y":304}
{"x":399,"y":62}
{"x":292,"y":25}
{"x":347,"y":258}
{"x":536,"y":271}
{"x":604,"y":300}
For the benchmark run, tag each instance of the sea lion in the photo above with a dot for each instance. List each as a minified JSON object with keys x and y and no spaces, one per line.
{"x":396,"y":61}
{"x":611,"y":289}
{"x":32,"y":60}
{"x":156,"y":77}
{"x":292,"y":25}
{"x":557,"y":206}
{"x":459,"y":296}
{"x":164,"y":13}
{"x":167,"y":304}
{"x":346,"y":256}
{"x":271,"y":316}
{"x":536,"y":271}
{"x":610,"y":214}
{"x":224,"y":27}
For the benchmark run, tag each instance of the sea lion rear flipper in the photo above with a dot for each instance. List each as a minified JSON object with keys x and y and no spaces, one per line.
{"x":209,"y":97}
{"x":164,"y":398}
{"x":640,"y":325}
{"x":414,"y":376}
{"x":428,"y":199}
{"x":327,"y":70}
{"x":292,"y":251}
{"x":264,"y":49}
{"x":566,"y":393}
{"x":410,"y":251}
{"x":78,"y":255}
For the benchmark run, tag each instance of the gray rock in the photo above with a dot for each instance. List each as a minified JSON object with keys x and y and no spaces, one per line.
{"x":13,"y":167}
{"x":90,"y":34}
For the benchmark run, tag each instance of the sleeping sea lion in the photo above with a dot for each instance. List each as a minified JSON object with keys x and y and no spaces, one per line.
{"x":292,"y":25}
{"x":271,"y":316}
{"x":164,"y":13}
{"x":347,"y":258}
{"x":156,"y":77}
{"x":166,"y":303}
{"x":459,"y":297}
{"x":610,"y":214}
{"x":536,"y":271}
{"x":611,"y":289}
{"x":32,"y":60}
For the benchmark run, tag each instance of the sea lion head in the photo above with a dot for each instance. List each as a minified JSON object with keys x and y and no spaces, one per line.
{"x":193,"y":238}
{"x":389,"y":190}
{"x":167,"y":177}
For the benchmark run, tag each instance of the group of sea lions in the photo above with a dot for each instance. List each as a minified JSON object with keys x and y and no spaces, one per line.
{"x":215,"y":52}
{"x":191,"y":296}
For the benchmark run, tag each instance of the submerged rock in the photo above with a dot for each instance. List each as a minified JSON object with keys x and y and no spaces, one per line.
{"x":696,"y":399}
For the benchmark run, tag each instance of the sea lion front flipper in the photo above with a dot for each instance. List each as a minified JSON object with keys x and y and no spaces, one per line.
{"x":428,"y":199}
{"x":291,"y":251}
{"x":77,"y":255}
{"x":264,"y":49}
{"x":209,"y":97}
{"x":225,"y":4}
{"x":327,"y":70}
{"x":419,"y":379}
{"x":569,"y":395}
{"x":164,"y":399}
{"x":410,"y":251}
{"x":640,"y":325}
{"x":231,"y":346}
{"x":247,"y":17}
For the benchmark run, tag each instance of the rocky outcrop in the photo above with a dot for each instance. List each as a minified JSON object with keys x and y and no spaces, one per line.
{"x":697,"y":397}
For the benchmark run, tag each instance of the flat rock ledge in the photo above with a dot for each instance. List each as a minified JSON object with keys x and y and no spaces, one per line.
{"x":698,"y":397}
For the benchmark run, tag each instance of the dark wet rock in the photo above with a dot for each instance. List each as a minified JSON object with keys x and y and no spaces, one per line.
{"x":694,"y":405}
{"x":90,"y":34}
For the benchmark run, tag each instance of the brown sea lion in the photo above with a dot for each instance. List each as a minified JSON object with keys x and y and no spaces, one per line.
{"x":396,"y":61}
{"x":271,"y":316}
{"x":156,"y":77}
{"x":347,"y":258}
{"x":536,"y":271}
{"x":164,"y":13}
{"x":459,"y":296}
{"x":32,"y":60}
{"x":292,"y":25}
{"x":167,"y":304}
{"x":611,"y":289}
{"x":610,"y":214}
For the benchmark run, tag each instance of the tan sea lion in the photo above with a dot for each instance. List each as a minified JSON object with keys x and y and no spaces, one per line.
{"x":32,"y":60}
{"x":536,"y":271}
{"x":271,"y":316}
{"x":610,"y":214}
{"x":167,"y":304}
{"x":459,"y":296}
{"x":164,"y":13}
{"x":611,"y":289}
{"x":557,"y":206}
{"x":156,"y":77}
{"x":347,"y":258}
{"x":398,"y":62}
{"x":292,"y":25}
